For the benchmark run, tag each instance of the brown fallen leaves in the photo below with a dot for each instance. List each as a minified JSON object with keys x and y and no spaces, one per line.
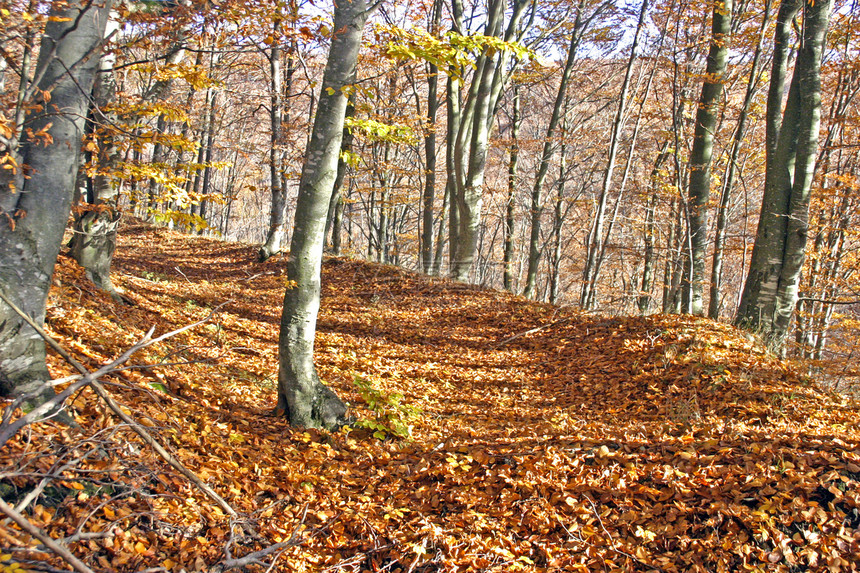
{"x":595,"y":444}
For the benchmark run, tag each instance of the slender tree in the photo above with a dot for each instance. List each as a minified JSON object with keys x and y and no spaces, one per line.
{"x":699,"y":189}
{"x":510,"y":204}
{"x":301,"y":395}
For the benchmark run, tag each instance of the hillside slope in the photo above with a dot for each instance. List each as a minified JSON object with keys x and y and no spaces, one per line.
{"x":545,"y":440}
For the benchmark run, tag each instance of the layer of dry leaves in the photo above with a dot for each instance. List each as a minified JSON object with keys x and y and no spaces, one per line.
{"x":548,"y":440}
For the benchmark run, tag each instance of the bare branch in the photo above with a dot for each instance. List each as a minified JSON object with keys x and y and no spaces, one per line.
{"x":91,"y":378}
{"x":46,"y":539}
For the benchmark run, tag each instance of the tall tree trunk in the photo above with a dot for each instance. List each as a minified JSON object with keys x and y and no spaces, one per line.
{"x":301,"y":395}
{"x":510,"y":221}
{"x":454,"y":113}
{"x":580,"y":24}
{"x":429,"y":192}
{"x":334,"y":218}
{"x":770,"y":292}
{"x":557,"y":222}
{"x":649,"y":262}
{"x":207,"y":158}
{"x":702,"y":153}
{"x":277,"y":97}
{"x":439,"y":254}
{"x":732,"y":170}
{"x":595,"y":236}
{"x":94,"y":241}
{"x":491,"y":74}
{"x":35,"y":214}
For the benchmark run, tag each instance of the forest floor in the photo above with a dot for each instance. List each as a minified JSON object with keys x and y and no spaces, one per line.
{"x":542,"y":439}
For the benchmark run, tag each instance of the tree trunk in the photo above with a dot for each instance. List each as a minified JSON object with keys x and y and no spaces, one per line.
{"x":301,"y":395}
{"x":649,"y":263}
{"x":702,"y":152}
{"x":510,"y":222}
{"x":557,"y":223}
{"x":453,"y":120}
{"x":472,"y":142}
{"x":334,"y":218}
{"x":94,"y":241}
{"x":595,"y":235}
{"x":278,"y":214}
{"x":35,"y":215}
{"x":429,"y":193}
{"x":770,"y":292}
{"x":731,"y":172}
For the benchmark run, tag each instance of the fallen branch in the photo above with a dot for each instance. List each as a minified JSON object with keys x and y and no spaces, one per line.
{"x":91,"y":378}
{"x":46,"y":539}
{"x":255,"y":558}
{"x":531,"y":331}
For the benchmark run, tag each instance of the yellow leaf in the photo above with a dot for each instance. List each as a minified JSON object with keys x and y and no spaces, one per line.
{"x":140,"y":547}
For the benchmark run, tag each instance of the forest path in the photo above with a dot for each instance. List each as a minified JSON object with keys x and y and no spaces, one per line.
{"x":546,"y":439}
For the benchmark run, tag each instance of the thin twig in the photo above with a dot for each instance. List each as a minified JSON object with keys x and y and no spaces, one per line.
{"x":612,"y":539}
{"x":91,"y":379}
{"x":46,"y":539}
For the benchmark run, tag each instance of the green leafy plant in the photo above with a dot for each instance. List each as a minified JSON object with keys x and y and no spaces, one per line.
{"x":391,"y":417}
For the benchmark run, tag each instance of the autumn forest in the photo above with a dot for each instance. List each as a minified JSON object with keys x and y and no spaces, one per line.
{"x":440,"y":285}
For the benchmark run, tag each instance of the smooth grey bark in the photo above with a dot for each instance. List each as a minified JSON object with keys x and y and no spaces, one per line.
{"x":580,"y":24}
{"x":732,"y":171}
{"x":277,"y":83}
{"x":770,"y":292}
{"x":596,"y":234}
{"x":429,"y":192}
{"x":439,"y":253}
{"x":94,"y":240}
{"x":510,"y":205}
{"x":824,"y":281}
{"x":211,"y":128}
{"x":701,"y":155}
{"x":305,"y":400}
{"x":33,"y":217}
{"x":453,"y":113}
{"x":476,"y":120}
{"x":649,"y":262}
{"x":454,"y":120}
{"x":334,"y":219}
{"x":557,"y":223}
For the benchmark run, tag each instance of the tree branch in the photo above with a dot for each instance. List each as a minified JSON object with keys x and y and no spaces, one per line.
{"x":91,"y":379}
{"x":46,"y":539}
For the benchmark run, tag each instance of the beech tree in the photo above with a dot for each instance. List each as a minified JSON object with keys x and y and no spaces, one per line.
{"x":770,"y":291}
{"x":34,"y":209}
{"x":305,"y":400}
{"x":94,"y":241}
{"x":473,"y":124}
{"x":702,"y":153}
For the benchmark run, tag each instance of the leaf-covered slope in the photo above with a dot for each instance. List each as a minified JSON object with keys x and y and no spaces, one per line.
{"x":548,"y":440}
